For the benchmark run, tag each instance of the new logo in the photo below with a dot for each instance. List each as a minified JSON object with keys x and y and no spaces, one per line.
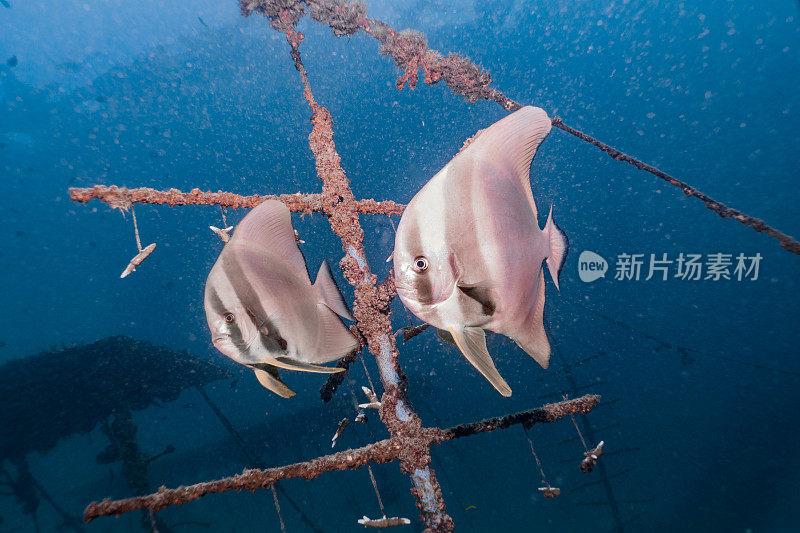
{"x":591,"y":266}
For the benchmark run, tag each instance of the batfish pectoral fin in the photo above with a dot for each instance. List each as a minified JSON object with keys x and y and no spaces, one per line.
{"x":272,"y":381}
{"x":559,"y":246}
{"x":292,"y":364}
{"x":482,"y":294}
{"x":330,"y":293}
{"x":472,"y":343}
{"x":530,"y":334}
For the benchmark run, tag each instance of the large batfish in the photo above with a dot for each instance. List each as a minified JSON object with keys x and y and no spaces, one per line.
{"x":262,"y":309}
{"x":468,"y":252}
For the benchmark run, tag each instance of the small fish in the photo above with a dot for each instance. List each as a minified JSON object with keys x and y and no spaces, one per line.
{"x":469,"y":251}
{"x":262,"y":309}
{"x":12,"y":61}
{"x":470,"y":508}
{"x":550,"y":492}
{"x":5,"y":4}
{"x":342,"y":424}
{"x":223,"y":233}
{"x":137,"y":260}
{"x":198,"y":18}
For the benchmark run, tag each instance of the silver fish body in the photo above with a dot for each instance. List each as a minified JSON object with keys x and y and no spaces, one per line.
{"x":262,"y":309}
{"x":469,"y":252}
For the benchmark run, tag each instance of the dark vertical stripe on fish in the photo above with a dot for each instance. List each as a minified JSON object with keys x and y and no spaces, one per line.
{"x":218,"y":306}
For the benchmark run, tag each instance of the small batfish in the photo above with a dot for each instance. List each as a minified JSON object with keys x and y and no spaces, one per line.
{"x":468,"y":252}
{"x":262,"y":309}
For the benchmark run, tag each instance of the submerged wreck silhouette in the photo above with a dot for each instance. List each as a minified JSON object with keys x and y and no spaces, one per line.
{"x":409,"y":442}
{"x":82,"y":387}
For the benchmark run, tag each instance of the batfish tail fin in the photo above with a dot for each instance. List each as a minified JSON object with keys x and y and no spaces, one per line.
{"x":330,"y":293}
{"x":272,"y":381}
{"x":559,"y":247}
{"x":472,"y":343}
{"x":334,"y":338}
{"x":530,"y":334}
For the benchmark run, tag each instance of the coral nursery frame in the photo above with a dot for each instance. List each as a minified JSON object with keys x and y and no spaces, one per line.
{"x":409,"y":441}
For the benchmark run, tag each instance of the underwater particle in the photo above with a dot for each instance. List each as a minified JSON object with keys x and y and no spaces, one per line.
{"x":550,"y":492}
{"x":590,"y":461}
{"x":383,"y":523}
{"x":223,"y":234}
{"x":470,"y":508}
{"x":343,"y":424}
{"x":137,"y":260}
{"x":12,"y":61}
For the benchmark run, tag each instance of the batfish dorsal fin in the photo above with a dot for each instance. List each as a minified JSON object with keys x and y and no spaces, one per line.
{"x":273,"y":382}
{"x":472,"y":343}
{"x":331,"y":295}
{"x":268,"y":226}
{"x":530,"y":334}
{"x":512,"y":142}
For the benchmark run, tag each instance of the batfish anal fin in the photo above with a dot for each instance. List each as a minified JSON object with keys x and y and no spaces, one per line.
{"x":293,"y":364}
{"x":446,"y":336}
{"x":334,"y":338}
{"x":288,"y":363}
{"x":559,"y":247}
{"x":268,"y":226}
{"x":530,"y":334}
{"x":472,"y":343}
{"x":511,"y":143}
{"x":272,"y":381}
{"x":330,"y":293}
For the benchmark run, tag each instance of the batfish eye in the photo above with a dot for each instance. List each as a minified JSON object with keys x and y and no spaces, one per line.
{"x":229,"y":317}
{"x":420,"y":263}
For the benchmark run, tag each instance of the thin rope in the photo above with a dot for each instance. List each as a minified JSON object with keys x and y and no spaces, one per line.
{"x":136,"y":229}
{"x":719,"y":208}
{"x":536,"y":457}
{"x":278,"y":508}
{"x":369,"y":379}
{"x":352,"y":391}
{"x":369,"y":468}
{"x":575,"y":423}
{"x":375,"y":486}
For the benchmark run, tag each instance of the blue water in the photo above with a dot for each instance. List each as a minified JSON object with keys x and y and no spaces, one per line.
{"x":146,"y":94}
